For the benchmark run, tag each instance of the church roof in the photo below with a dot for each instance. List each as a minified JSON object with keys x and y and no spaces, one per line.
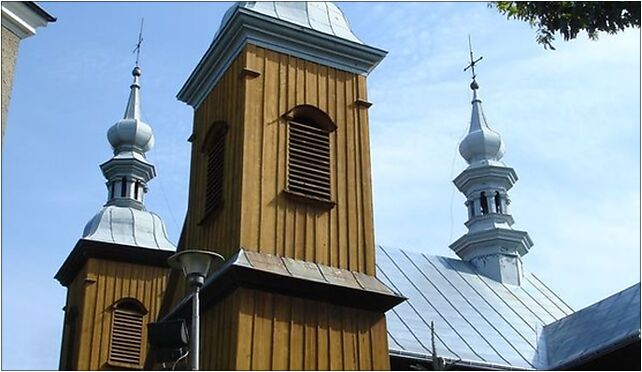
{"x":320,"y":16}
{"x":587,"y":333}
{"x":128,"y":226}
{"x":478,"y":321}
{"x":482,"y":323}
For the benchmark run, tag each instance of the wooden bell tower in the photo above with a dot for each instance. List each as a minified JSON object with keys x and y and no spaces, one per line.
{"x":281,"y":186}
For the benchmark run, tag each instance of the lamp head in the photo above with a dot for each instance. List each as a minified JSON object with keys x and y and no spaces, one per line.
{"x":195,"y":264}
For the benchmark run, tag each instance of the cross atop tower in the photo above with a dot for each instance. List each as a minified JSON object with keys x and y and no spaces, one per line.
{"x":140,"y":41}
{"x":473,"y":61}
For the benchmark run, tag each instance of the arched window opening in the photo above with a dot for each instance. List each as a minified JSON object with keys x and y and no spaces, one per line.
{"x":498,"y":203}
{"x":126,"y":341}
{"x":484,"y":204}
{"x":213,"y":148}
{"x":136,"y":187}
{"x":123,"y":187}
{"x":308,"y":172}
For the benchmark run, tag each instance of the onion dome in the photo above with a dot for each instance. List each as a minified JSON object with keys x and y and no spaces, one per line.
{"x":481,"y":144}
{"x":131,"y":133}
{"x":124,"y":220}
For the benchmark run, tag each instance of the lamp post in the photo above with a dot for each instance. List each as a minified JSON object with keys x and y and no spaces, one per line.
{"x":195,"y":265}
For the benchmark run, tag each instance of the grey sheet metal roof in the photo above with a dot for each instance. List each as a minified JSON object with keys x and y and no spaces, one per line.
{"x":320,"y":16}
{"x":128,"y":226}
{"x":603,"y":326}
{"x":478,"y":321}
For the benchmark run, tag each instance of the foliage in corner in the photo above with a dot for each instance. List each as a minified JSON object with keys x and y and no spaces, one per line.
{"x":571,"y":17}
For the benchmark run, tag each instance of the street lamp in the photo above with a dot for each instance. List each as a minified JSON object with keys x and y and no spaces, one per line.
{"x":195,"y":265}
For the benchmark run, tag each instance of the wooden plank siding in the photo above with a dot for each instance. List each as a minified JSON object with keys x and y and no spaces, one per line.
{"x":93,"y":292}
{"x":270,"y":221}
{"x":256,"y":214}
{"x":253,"y":329}
{"x":277,"y":332}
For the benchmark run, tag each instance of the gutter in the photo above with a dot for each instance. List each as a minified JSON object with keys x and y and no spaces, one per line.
{"x":41,"y":12}
{"x":457,"y":362}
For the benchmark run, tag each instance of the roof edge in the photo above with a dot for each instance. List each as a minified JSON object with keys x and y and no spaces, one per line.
{"x":249,"y":27}
{"x":41,"y":12}
{"x":456,"y":362}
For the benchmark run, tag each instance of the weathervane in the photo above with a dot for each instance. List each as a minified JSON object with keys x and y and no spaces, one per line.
{"x":473,"y":61}
{"x":140,"y":41}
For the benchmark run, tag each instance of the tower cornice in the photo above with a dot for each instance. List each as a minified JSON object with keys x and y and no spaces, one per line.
{"x":246,"y":26}
{"x":478,"y":177}
{"x":494,"y":241}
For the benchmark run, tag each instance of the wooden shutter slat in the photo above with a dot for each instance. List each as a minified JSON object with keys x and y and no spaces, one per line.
{"x":126,"y":336}
{"x":308,"y":160}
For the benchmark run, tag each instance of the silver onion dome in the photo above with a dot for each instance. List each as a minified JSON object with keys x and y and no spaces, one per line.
{"x":481,"y":143}
{"x":131,"y":133}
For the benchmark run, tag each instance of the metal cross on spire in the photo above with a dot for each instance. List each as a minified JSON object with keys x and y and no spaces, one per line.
{"x":140,"y":41}
{"x":473,"y":61}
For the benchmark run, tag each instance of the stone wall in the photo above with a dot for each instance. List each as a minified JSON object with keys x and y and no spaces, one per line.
{"x":10,"y":44}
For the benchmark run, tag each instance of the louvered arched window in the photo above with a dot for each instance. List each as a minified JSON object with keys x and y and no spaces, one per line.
{"x":309,"y":159}
{"x":213,"y":149}
{"x":126,"y":339}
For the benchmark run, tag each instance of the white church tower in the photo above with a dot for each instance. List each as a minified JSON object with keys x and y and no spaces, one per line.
{"x":491,"y":244}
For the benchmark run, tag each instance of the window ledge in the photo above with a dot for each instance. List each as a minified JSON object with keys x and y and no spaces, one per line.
{"x":121,"y":365}
{"x":313,"y":200}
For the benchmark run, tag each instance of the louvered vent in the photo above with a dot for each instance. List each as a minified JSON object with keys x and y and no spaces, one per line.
{"x":126,"y":337}
{"x":214,"y":187}
{"x":309,"y":161}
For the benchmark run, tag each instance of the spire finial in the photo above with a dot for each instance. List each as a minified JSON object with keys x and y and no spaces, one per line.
{"x":472,"y":64}
{"x":140,"y":42}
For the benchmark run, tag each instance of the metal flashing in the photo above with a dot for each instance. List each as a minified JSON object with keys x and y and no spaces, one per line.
{"x":246,"y":26}
{"x":248,"y":269}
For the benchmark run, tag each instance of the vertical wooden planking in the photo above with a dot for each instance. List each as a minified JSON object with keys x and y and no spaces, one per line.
{"x":323,"y":349}
{"x":359,"y":177}
{"x":350,"y":357}
{"x":281,"y":209}
{"x":310,"y":310}
{"x":280,"y":352}
{"x":381,"y":359}
{"x":350,"y":176}
{"x":363,"y":338}
{"x":297,"y":344}
{"x":262,"y":336}
{"x":342,"y":182}
{"x":290,"y":221}
{"x":105,"y":328}
{"x":88,"y":308}
{"x":270,"y":152}
{"x":245,"y":329}
{"x":322,"y":220}
{"x":257,"y":127}
{"x":300,"y":210}
{"x":99,"y":315}
{"x":333,"y":238}
{"x":367,"y":207}
{"x":336,"y":339}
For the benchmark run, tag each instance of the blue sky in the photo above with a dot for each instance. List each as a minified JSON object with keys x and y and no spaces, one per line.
{"x":570,"y":120}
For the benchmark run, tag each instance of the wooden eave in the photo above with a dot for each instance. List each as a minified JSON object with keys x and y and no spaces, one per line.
{"x":86,"y":249}
{"x":236,"y":274}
